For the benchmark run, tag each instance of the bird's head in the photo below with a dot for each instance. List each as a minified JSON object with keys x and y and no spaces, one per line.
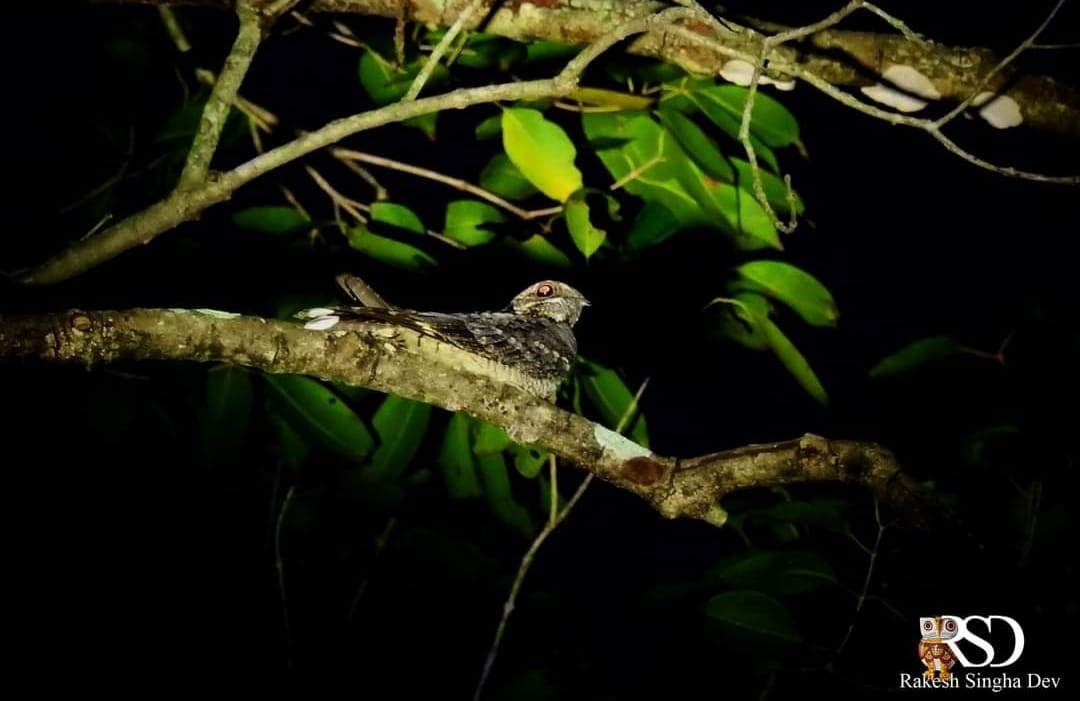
{"x":551,"y":300}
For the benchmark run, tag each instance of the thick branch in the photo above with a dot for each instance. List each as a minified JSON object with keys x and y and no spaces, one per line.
{"x":839,"y":57}
{"x":398,"y":361}
{"x":218,"y":105}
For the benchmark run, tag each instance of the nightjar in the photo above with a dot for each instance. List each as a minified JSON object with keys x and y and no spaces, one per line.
{"x":530,"y":341}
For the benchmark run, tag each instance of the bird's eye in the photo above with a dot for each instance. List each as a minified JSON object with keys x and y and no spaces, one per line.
{"x":545,"y":291}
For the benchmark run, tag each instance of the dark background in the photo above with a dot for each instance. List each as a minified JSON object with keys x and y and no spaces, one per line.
{"x":131,"y":561}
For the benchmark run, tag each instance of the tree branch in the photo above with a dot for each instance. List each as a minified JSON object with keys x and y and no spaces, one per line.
{"x":398,"y":361}
{"x":218,"y":105}
{"x":838,"y":57}
{"x":186,"y":204}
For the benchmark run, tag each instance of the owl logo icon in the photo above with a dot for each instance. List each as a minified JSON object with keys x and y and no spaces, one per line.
{"x":935,"y":648}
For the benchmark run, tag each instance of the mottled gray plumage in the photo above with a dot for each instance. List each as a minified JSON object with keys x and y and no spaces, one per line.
{"x":532,"y":336}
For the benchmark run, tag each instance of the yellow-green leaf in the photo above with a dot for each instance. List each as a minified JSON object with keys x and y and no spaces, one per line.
{"x":542,"y":151}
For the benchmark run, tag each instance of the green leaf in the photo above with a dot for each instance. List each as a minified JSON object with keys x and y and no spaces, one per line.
{"x":456,"y":460}
{"x":272,"y":220}
{"x":542,"y":151}
{"x":226,"y":417}
{"x":292,"y":448}
{"x":739,"y":322}
{"x":496,"y":481}
{"x":916,"y":354}
{"x":319,"y":414}
{"x":653,"y":224}
{"x":387,"y":250}
{"x":541,"y":250}
{"x":489,"y":128}
{"x":794,"y":361}
{"x":489,"y":438}
{"x":397,"y":215}
{"x":759,"y":327}
{"x":752,"y":227}
{"x":424,"y":122}
{"x":528,"y":460}
{"x":684,"y":96}
{"x":501,"y":177}
{"x":634,"y":150}
{"x":698,"y":145}
{"x":385,"y":83}
{"x":547,"y":50}
{"x":794,"y":287}
{"x":649,"y":162}
{"x":769,"y":120}
{"x":784,"y":573}
{"x":400,"y":424}
{"x":612,"y":400}
{"x":465,"y":221}
{"x":486,"y":51}
{"x":747,"y":617}
{"x":822,"y":512}
{"x":978,"y":445}
{"x":585,"y":236}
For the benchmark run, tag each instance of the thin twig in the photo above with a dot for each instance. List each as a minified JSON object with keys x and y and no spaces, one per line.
{"x":440,"y":49}
{"x":1056,"y":47}
{"x":279,"y":565}
{"x":173,"y":29}
{"x":345,"y":155}
{"x":861,"y":600}
{"x":353,"y":207}
{"x":380,"y":545}
{"x":381,"y":193}
{"x":768,"y":45}
{"x":636,"y":173}
{"x":556,"y":518}
{"x":896,"y":23}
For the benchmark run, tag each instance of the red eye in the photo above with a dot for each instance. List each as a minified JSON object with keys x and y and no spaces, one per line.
{"x":544,"y":291}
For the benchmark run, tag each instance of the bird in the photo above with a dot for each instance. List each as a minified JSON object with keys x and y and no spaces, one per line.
{"x":532,"y":336}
